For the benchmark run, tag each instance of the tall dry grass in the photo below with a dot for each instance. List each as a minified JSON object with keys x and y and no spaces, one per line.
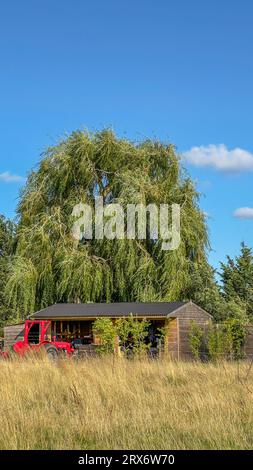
{"x":120,"y":404}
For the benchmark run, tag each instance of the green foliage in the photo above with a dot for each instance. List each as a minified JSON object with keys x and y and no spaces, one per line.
{"x":51,"y":267}
{"x":234,"y":299}
{"x":105,"y":330}
{"x":133,"y":334}
{"x":236,"y":330}
{"x":234,"y":308}
{"x":7,"y":240}
{"x":123,"y":329}
{"x":162,"y":333}
{"x":42,"y":263}
{"x":204,"y":290}
{"x":196,"y":336}
{"x":21,"y":285}
{"x":237,"y":280}
{"x":218,"y":343}
{"x":226,"y":340}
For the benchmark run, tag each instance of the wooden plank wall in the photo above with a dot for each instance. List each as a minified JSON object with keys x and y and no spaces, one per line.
{"x":12,"y":334}
{"x":171,"y":341}
{"x":185,"y":316}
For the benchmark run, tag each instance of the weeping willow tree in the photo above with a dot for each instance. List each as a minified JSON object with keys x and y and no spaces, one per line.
{"x":51,"y":266}
{"x":7,"y":237}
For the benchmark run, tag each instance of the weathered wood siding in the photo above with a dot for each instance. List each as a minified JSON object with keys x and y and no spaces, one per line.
{"x":12,"y":334}
{"x":172,"y":344}
{"x":190,"y":312}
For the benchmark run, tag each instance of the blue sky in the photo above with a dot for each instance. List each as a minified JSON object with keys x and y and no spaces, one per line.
{"x":175,"y":69}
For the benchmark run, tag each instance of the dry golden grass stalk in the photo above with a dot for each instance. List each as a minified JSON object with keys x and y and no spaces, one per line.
{"x":103,"y":403}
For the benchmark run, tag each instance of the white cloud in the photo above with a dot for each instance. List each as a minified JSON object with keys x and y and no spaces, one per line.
{"x":8,"y":177}
{"x":244,"y":213}
{"x":220,"y":158}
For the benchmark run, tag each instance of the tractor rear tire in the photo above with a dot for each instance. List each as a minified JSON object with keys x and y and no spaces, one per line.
{"x":51,"y":351}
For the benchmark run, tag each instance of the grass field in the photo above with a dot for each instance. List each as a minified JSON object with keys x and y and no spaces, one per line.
{"x":119,"y":404}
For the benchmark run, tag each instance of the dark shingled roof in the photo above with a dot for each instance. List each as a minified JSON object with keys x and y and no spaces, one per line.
{"x":148,"y":309}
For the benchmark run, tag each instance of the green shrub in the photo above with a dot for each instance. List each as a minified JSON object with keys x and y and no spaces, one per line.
{"x":236,"y":330}
{"x":196,"y":336}
{"x":122,"y":326}
{"x":162,"y":333}
{"x":226,"y":340}
{"x":133,"y":333}
{"x":104,"y":328}
{"x":218,"y":342}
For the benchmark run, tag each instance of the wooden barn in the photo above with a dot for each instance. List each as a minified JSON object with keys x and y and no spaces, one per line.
{"x":73,"y":322}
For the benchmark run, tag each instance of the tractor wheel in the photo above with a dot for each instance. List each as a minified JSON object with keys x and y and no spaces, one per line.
{"x":51,"y":351}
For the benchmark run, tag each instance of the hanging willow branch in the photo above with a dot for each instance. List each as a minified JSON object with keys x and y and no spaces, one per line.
{"x":50,"y":266}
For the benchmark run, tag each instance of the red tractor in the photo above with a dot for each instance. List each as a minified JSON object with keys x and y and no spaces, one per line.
{"x":37,"y":338}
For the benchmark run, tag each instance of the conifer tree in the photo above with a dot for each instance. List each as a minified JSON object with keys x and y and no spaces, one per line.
{"x":237,"y":279}
{"x":204,"y":290}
